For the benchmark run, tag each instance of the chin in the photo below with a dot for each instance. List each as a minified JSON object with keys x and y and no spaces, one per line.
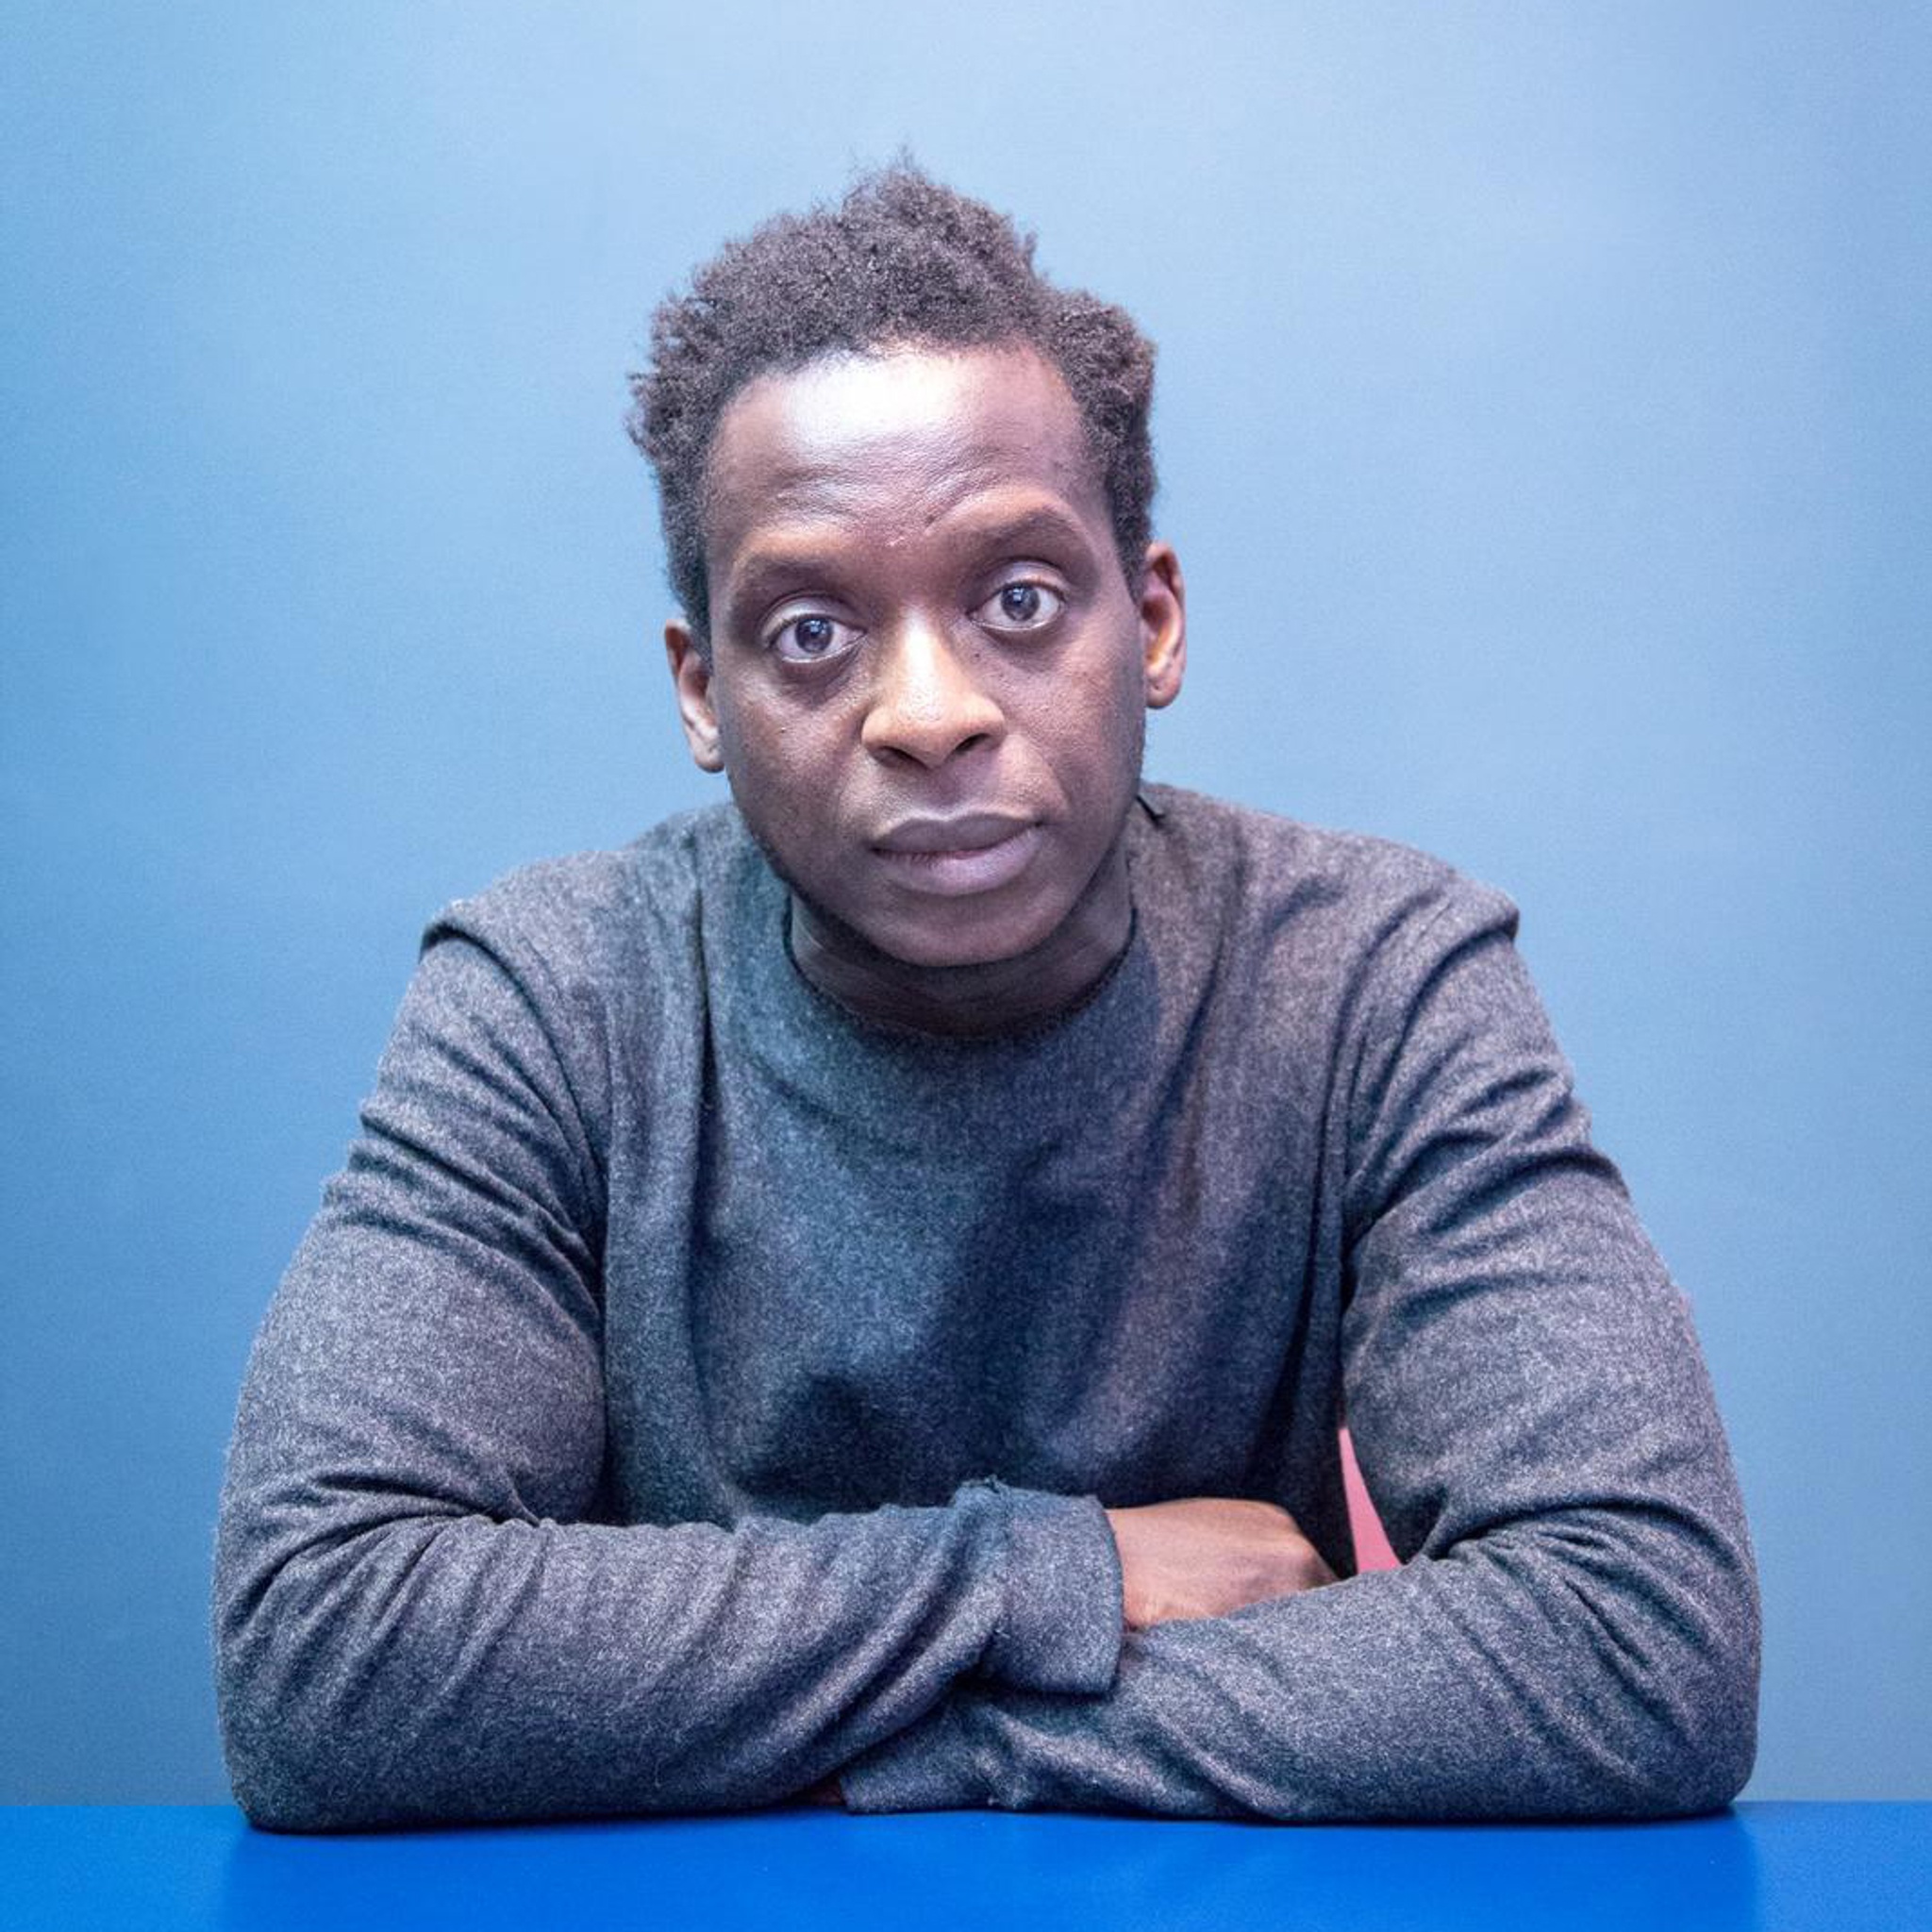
{"x":967,"y":943}
{"x":962,"y":938}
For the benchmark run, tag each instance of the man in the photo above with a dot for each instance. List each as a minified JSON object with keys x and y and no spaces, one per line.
{"x":854,"y":1295}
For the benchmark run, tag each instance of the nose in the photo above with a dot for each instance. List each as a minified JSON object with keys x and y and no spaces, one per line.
{"x":926,"y":704}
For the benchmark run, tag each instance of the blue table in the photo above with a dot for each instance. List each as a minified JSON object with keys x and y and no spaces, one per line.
{"x":1769,"y":1868}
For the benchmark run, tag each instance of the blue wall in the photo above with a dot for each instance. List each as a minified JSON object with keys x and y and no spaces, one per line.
{"x":1544,"y":429}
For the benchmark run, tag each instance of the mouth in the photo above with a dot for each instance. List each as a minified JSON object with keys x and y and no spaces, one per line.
{"x":952,"y":858}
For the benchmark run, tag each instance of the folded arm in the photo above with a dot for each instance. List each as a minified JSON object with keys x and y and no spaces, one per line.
{"x":1573,"y":1630}
{"x":417,"y":1615}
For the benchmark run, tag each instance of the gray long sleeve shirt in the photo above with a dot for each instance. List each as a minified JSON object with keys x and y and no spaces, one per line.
{"x":688,"y":1391}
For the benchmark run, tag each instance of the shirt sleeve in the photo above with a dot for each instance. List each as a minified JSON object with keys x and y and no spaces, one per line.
{"x":418,"y":1614}
{"x":1574,"y":1629}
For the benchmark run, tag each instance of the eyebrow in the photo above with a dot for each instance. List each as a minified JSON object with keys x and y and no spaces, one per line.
{"x":806,"y":549}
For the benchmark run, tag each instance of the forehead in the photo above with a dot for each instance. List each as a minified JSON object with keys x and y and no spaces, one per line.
{"x":893,"y":439}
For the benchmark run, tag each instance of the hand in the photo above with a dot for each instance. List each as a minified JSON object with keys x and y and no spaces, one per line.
{"x":1209,"y":1556}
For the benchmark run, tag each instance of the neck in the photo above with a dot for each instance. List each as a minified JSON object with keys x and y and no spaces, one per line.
{"x":970,"y":1002}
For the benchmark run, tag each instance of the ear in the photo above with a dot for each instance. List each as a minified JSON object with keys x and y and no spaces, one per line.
{"x":691,"y":671}
{"x":1163,"y":625}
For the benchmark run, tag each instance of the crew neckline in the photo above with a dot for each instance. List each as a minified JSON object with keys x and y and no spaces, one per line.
{"x":895,"y":1032}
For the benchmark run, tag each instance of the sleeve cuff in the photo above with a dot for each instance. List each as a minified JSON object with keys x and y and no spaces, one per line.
{"x":1061,"y":1624}
{"x":927,"y":1767}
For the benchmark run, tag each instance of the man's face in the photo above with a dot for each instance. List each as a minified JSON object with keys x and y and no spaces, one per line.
{"x":929,"y":675}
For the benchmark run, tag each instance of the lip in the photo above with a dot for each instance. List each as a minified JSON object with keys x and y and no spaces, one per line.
{"x":951,"y":857}
{"x":971,"y":832}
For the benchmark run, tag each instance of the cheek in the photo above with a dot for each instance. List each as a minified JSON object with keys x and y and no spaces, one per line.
{"x":1100,"y":722}
{"x":783,"y":769}
{"x":752,"y":741}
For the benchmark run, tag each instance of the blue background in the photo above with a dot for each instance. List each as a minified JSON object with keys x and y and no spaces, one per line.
{"x":1543,"y":420}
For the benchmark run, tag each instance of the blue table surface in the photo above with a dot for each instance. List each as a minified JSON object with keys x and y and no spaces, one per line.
{"x":1845,"y":1867}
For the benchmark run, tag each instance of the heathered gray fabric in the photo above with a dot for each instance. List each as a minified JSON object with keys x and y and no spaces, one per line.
{"x":688,"y":1391}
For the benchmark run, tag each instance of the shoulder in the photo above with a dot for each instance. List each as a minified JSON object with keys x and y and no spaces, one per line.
{"x":1273,"y":881}
{"x":569,"y":963}
{"x":589,"y":913}
{"x":600,"y":944}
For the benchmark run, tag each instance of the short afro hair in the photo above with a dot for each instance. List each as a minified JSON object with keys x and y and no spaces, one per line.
{"x":902,"y":259}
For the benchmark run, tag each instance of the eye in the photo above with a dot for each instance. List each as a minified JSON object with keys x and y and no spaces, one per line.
{"x":810,"y":639}
{"x":1024,"y":606}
